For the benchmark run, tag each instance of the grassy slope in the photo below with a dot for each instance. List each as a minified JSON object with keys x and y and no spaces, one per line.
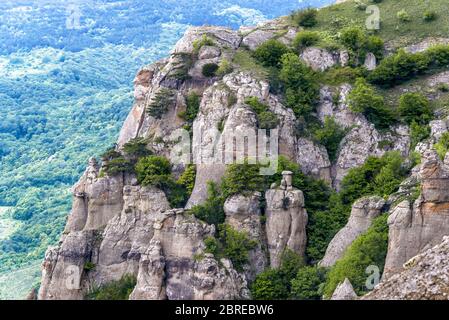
{"x":395,"y":33}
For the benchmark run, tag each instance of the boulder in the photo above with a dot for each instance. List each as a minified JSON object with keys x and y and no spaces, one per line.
{"x":344,"y":291}
{"x":318,"y":59}
{"x":370,"y":61}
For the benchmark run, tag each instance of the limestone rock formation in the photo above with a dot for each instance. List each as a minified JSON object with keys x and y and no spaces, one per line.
{"x":149,"y":241}
{"x":319,"y":59}
{"x":286,"y":220}
{"x":344,"y":291}
{"x":370,"y":61}
{"x":415,"y":227}
{"x":243,"y":214}
{"x":425,"y":277}
{"x":362,"y":214}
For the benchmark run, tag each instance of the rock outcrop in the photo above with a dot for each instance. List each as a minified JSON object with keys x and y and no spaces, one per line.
{"x":286,"y":221}
{"x":243,"y":214}
{"x":425,"y":277}
{"x":344,"y":291}
{"x":362,"y":214}
{"x":415,"y":227}
{"x":147,"y":239}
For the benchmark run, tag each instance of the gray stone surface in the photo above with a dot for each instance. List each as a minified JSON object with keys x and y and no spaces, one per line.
{"x":344,"y":291}
{"x":286,"y":223}
{"x":362,"y":214}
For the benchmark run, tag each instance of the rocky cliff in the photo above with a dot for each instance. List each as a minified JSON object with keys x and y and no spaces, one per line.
{"x":118,"y":227}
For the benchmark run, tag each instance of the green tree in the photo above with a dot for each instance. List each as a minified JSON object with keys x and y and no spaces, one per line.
{"x":300,"y":83}
{"x":330,"y":136}
{"x":308,"y":283}
{"x":270,"y":53}
{"x":415,"y":107}
{"x":364,"y":99}
{"x":115,"y":290}
{"x":153,"y":171}
{"x":305,"y":18}
{"x":368,"y":249}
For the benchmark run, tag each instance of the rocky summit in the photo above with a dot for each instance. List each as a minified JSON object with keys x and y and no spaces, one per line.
{"x":281,"y":161}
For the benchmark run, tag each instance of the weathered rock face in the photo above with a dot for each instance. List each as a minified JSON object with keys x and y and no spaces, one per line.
{"x":243,"y":214}
{"x":314,"y":160}
{"x":319,"y":59}
{"x":370,"y":61}
{"x":95,"y":200}
{"x":425,"y":277}
{"x":286,"y":221}
{"x":362,"y":214}
{"x":344,"y":291}
{"x":148,"y":240}
{"x":363,"y":139}
{"x":415,"y":227}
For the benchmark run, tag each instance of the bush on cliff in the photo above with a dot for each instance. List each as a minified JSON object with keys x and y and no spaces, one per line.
{"x":211,"y":211}
{"x":275,"y":284}
{"x":305,"y":18}
{"x":370,"y":249}
{"x":231,"y":244}
{"x":415,"y":107}
{"x":330,"y":136}
{"x":269,"y":53}
{"x":364,"y":99}
{"x":116,"y":290}
{"x":308,"y":283}
{"x":300,"y":84}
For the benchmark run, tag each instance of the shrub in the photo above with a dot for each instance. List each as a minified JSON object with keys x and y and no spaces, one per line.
{"x":184,"y":61}
{"x":211,"y":211}
{"x":269,"y":285}
{"x":300,"y":83}
{"x":438,"y":55}
{"x":187,"y":179}
{"x":231,"y":244}
{"x":153,"y":171}
{"x":418,"y":133}
{"x":399,"y":68}
{"x":116,"y":290}
{"x":353,"y":38}
{"x":275,"y":284}
{"x":442,"y":146}
{"x":330,"y":136}
{"x":118,"y":166}
{"x":306,"y":18}
{"x":136,"y":148}
{"x":270,"y":52}
{"x":241,"y":179}
{"x":368,"y":249}
{"x":360,"y":5}
{"x":210,"y":69}
{"x":224,"y":68}
{"x":307,"y":284}
{"x":193,"y":101}
{"x":414,"y":107}
{"x":339,"y":75}
{"x":365,"y":100}
{"x":203,"y":41}
{"x":429,"y":15}
{"x":403,"y":16}
{"x":358,"y":42}
{"x":162,"y":101}
{"x":266,"y":118}
{"x":377,"y":176}
{"x":305,"y":39}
